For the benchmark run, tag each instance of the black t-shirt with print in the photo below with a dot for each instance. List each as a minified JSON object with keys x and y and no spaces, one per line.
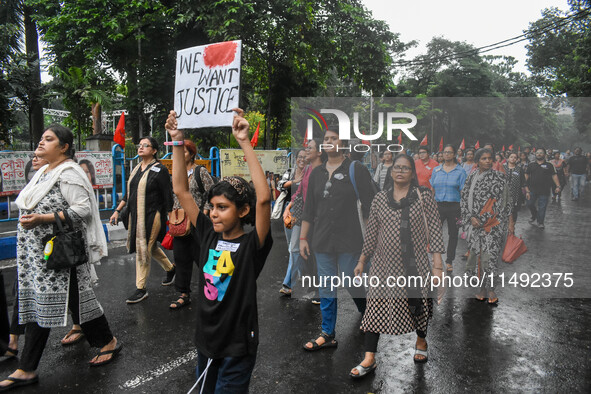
{"x":540,"y":177}
{"x":227,"y":317}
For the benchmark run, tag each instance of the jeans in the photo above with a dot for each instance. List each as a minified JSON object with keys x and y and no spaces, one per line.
{"x":329,"y":265}
{"x":451,"y":212}
{"x":230,"y":375}
{"x":578,"y":182}
{"x":293,"y":269}
{"x":539,"y":212}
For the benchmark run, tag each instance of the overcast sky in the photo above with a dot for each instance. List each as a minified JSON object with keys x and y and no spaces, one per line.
{"x":477,"y":22}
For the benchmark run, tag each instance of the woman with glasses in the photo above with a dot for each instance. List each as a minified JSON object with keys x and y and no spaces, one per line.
{"x":448,"y":181}
{"x":403,"y":223}
{"x":424,"y":166}
{"x":149,"y":199}
{"x":484,"y":212}
{"x":331,"y":208}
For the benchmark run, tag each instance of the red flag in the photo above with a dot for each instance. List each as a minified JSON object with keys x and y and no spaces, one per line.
{"x":503,"y":148}
{"x":441,"y":145}
{"x":510,"y":147}
{"x":519,"y":148}
{"x":400,"y":139}
{"x":477,"y":146}
{"x":255,"y":138}
{"x":463,"y":145}
{"x":424,"y":141}
{"x":365,"y":142}
{"x":119,"y":136}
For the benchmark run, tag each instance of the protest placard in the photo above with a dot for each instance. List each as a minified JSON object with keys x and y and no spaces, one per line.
{"x":207,"y":84}
{"x":16,"y":171}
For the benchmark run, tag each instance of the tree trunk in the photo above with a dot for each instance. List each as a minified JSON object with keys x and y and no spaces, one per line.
{"x":97,"y":126}
{"x":134,"y":120}
{"x":35,"y":103}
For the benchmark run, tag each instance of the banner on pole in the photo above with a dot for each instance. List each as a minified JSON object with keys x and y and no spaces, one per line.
{"x":232,"y":162}
{"x":207,"y":84}
{"x":98,"y":166}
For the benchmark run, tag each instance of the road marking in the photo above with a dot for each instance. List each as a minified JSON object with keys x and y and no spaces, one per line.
{"x":161,"y":370}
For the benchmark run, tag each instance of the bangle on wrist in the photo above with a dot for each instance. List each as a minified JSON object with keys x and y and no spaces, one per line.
{"x":175,"y":143}
{"x":118,"y":210}
{"x":303,"y":239}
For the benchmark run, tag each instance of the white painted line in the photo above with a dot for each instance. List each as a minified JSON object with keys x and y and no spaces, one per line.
{"x":8,"y":232}
{"x":161,"y":370}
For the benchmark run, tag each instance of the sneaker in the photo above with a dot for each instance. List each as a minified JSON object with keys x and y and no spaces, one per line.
{"x":532,"y":221}
{"x":285,"y":290}
{"x":541,"y":226}
{"x":316,"y":301}
{"x":139,"y":295}
{"x":169,"y":277}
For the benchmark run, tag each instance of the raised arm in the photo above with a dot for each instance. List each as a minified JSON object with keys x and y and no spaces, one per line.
{"x":240,"y":128}
{"x":180,"y":181}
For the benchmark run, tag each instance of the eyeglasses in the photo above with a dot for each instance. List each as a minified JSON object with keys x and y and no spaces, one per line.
{"x":327,"y":186}
{"x":402,"y":169}
{"x":448,"y":152}
{"x":143,"y":146}
{"x":423,"y":152}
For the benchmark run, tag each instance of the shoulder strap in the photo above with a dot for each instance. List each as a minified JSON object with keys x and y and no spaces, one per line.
{"x":352,"y":176}
{"x":197,"y":175}
{"x":424,"y":216}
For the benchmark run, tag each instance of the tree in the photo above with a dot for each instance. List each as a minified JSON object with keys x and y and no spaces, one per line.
{"x":559,"y":56}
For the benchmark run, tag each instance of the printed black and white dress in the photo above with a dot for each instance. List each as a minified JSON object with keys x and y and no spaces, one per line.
{"x":388,"y":309}
{"x":43,"y":293}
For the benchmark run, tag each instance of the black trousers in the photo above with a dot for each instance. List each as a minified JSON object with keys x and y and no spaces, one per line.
{"x":371,"y":340}
{"x":450,"y":212}
{"x":186,"y":252}
{"x":97,"y":332}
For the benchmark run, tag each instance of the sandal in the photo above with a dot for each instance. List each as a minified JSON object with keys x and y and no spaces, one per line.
{"x":329,"y":341}
{"x":419,"y":352}
{"x":179,"y":305}
{"x":16,"y":382}
{"x":113,"y":352}
{"x":6,"y":356}
{"x":450,"y":268}
{"x":362,"y":371}
{"x":71,"y":333}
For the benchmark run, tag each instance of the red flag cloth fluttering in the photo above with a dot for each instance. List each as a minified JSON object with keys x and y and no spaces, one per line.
{"x":119,"y":136}
{"x":463,"y":145}
{"x":503,"y":148}
{"x":510,"y":147}
{"x":441,"y":145}
{"x":477,"y":146}
{"x":255,"y":138}
{"x":424,"y":141}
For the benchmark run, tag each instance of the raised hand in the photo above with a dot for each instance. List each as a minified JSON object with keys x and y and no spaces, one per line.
{"x":171,"y":125}
{"x":240,"y":126}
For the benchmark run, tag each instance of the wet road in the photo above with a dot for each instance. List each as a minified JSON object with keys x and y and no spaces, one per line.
{"x":528,"y":343}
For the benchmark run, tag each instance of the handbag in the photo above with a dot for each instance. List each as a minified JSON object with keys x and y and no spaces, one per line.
{"x":65,"y":248}
{"x":278,"y":207}
{"x":179,"y":224}
{"x":167,"y":242}
{"x":514,"y":248}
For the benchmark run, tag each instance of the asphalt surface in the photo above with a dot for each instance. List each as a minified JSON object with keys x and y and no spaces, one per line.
{"x":528,"y":343}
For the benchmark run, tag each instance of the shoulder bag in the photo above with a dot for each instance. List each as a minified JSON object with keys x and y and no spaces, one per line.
{"x":66,"y":247}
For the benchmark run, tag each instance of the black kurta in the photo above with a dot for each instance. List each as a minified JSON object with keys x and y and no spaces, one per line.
{"x":158,"y":199}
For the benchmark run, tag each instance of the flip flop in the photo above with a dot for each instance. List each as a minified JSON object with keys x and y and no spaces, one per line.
{"x":419,"y":352}
{"x":19,"y":383}
{"x":493,"y":301}
{"x":7,"y":357}
{"x":363,"y":371}
{"x":75,"y":341}
{"x":114,"y":353}
{"x":329,"y":341}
